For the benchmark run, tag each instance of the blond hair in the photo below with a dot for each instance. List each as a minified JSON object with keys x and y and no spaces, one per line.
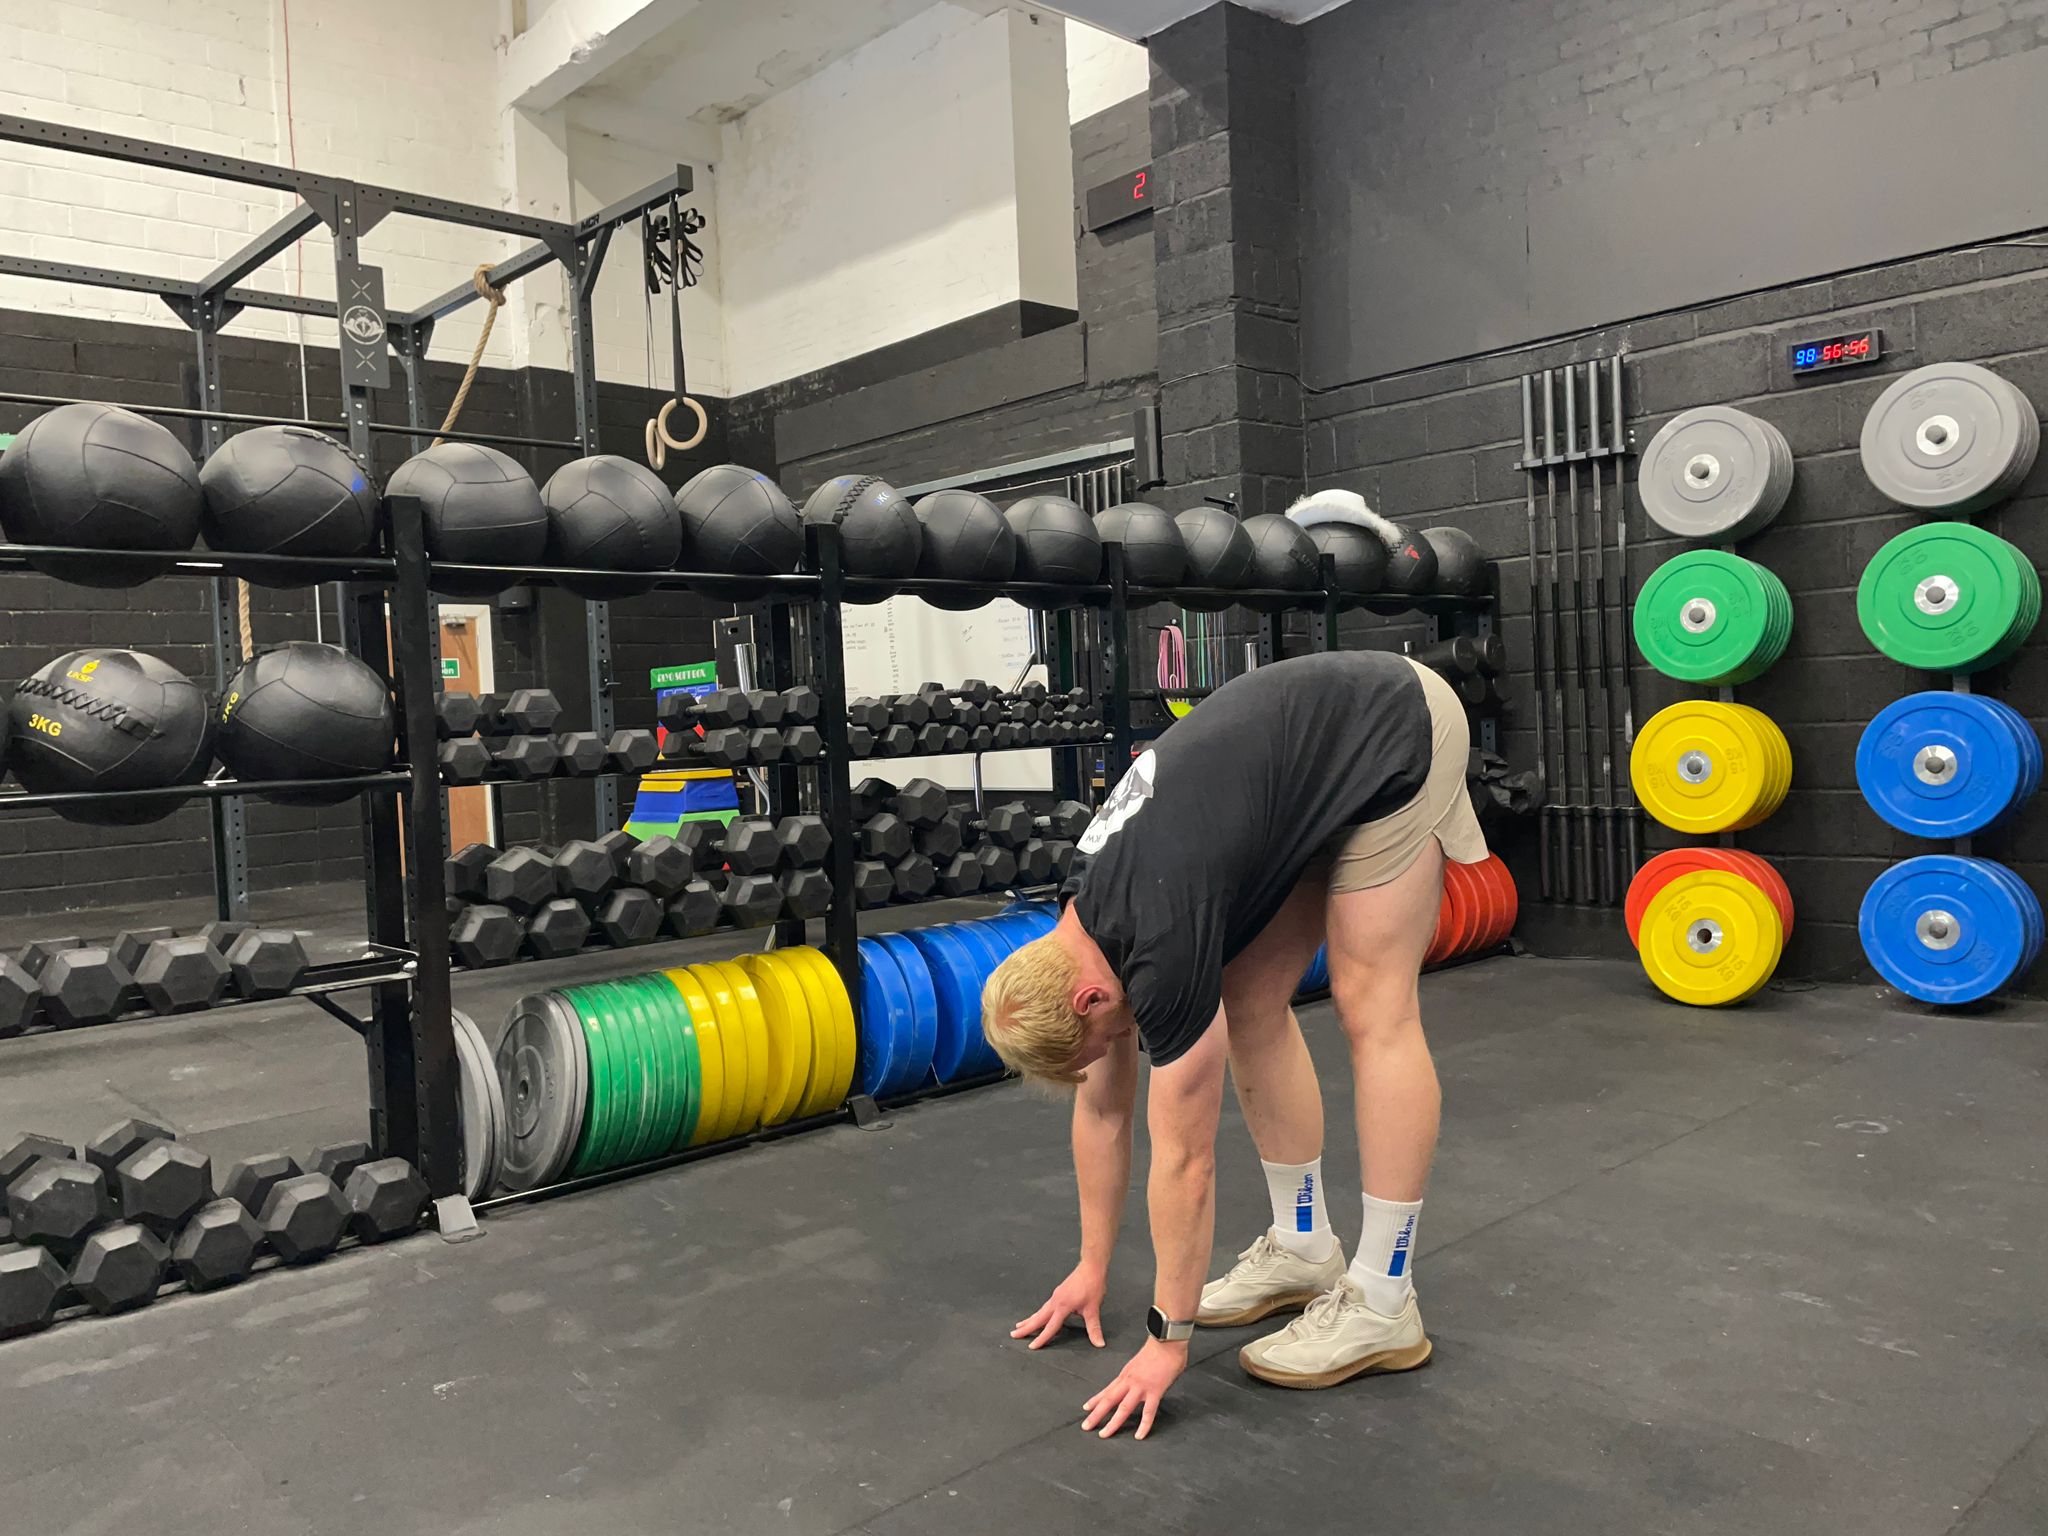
{"x":1027,"y":1012}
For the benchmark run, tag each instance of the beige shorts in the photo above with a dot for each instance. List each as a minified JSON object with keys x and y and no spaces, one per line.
{"x":1359,"y":858}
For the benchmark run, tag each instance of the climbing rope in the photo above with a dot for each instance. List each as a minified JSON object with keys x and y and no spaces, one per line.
{"x":495,"y":297}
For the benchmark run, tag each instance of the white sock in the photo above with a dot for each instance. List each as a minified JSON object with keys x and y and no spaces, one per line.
{"x":1384,"y":1266}
{"x":1301,"y":1219}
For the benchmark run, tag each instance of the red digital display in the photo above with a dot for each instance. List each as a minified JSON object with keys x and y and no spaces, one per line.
{"x":1836,"y":351}
{"x":1129,"y":194}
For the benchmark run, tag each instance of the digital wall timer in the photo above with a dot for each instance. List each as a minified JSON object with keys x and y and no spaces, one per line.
{"x":1836,"y":351}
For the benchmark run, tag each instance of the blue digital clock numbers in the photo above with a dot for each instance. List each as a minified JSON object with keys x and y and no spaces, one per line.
{"x":1836,"y":352}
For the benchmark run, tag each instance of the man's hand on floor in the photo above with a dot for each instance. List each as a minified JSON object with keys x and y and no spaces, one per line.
{"x":1142,"y":1385}
{"x":1079,"y":1295}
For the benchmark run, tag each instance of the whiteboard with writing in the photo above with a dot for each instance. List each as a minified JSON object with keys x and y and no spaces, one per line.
{"x":895,"y":646}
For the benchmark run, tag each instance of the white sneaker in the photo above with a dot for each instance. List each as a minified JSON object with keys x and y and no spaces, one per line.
{"x":1337,"y":1338}
{"x":1267,"y":1278}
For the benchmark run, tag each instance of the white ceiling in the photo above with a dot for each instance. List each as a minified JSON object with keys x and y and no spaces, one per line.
{"x":1139,"y":19}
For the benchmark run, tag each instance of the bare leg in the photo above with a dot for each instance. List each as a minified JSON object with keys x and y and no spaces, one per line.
{"x":1377,"y":940}
{"x":1269,"y":1060}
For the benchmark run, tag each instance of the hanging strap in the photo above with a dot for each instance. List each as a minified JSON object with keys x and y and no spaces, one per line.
{"x":657,"y":439}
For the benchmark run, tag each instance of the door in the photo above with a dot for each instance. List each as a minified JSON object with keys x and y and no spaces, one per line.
{"x":466,"y":668}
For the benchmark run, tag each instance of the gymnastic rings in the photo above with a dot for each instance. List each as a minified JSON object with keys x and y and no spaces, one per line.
{"x":658,"y":440}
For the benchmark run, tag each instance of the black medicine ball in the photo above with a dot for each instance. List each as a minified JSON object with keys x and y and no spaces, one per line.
{"x":305,"y":711}
{"x":1358,"y":553}
{"x":1154,"y":555}
{"x":879,"y":534}
{"x":1411,"y":563}
{"x":966,"y":538}
{"x":737,"y":522}
{"x":98,"y":477}
{"x":612,"y":514}
{"x":107,"y":720}
{"x":480,"y":507}
{"x":1283,"y":555}
{"x":287,"y":491}
{"x":1219,"y":555}
{"x":1460,"y":567}
{"x":1056,"y":541}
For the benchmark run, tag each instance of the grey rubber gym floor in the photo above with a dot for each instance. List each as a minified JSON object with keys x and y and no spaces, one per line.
{"x":1777,"y":1270}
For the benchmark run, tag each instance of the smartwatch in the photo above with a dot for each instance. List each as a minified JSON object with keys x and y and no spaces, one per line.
{"x":1166,"y":1331}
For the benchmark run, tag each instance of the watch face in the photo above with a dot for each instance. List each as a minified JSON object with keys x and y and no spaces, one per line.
{"x":1155,"y":1323}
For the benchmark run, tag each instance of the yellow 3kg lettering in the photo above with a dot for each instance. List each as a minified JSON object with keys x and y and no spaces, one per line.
{"x":46,"y":725}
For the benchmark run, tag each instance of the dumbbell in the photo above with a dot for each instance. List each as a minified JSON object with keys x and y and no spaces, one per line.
{"x":726,"y":746}
{"x":522,"y":712}
{"x":455,"y":714}
{"x":579,"y":754}
{"x":526,"y":756}
{"x":869,"y":712}
{"x":631,"y":750}
{"x":860,"y":741}
{"x":800,"y":705}
{"x":466,"y":760}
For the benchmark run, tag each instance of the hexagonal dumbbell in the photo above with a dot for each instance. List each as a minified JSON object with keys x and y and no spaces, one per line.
{"x":519,"y":879}
{"x":250,"y":1181}
{"x":462,"y":872}
{"x":871,"y":797}
{"x":129,"y":944}
{"x":455,"y":714}
{"x":800,"y":704}
{"x":920,"y":802}
{"x":629,"y":916}
{"x":385,"y":1199}
{"x":525,"y":757}
{"x":806,"y":893}
{"x":870,"y":713}
{"x":338,"y":1160}
{"x":1008,"y":826}
{"x":911,"y":709}
{"x":660,"y":866}
{"x":915,"y":877}
{"x":805,"y":841}
{"x":751,"y":901}
{"x":895,"y":741}
{"x":873,"y":885}
{"x":24,"y":1152}
{"x":943,"y":838}
{"x":959,"y":874}
{"x":579,"y":754}
{"x":801,"y":744}
{"x":938,"y":701}
{"x":530,"y":710}
{"x":557,"y":928}
{"x":764,"y":744}
{"x":180,"y":975}
{"x":304,"y":1218}
{"x":1035,"y":861}
{"x":704,"y":842}
{"x":21,"y":997}
{"x":930,"y":738}
{"x":764,"y":707}
{"x":723,"y":707}
{"x":223,"y":932}
{"x":163,"y":1184}
{"x":583,"y":870}
{"x":463,"y":761}
{"x":83,"y":986}
{"x":119,"y":1268}
{"x":38,"y":952}
{"x":998,"y":865}
{"x":751,"y":847}
{"x":113,"y":1146}
{"x":884,"y":835}
{"x":619,"y":845}
{"x":1065,"y":823}
{"x":485,"y":935}
{"x":31,"y":1279}
{"x":694,"y":910}
{"x":631,"y":750}
{"x":1063,"y":855}
{"x":266,"y":962}
{"x":860,"y":741}
{"x":59,"y":1205}
{"x":217,"y":1247}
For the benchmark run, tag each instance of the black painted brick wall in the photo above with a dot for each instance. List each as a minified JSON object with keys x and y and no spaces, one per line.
{"x":1440,"y":446}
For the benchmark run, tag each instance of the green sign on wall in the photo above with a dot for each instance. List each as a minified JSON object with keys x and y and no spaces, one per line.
{"x":695,"y":674}
{"x":451,"y":667}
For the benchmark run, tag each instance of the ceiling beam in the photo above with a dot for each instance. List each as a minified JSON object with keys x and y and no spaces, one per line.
{"x":575,"y":41}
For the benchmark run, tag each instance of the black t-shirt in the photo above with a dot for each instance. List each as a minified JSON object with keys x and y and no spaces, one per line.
{"x":1203,"y":839}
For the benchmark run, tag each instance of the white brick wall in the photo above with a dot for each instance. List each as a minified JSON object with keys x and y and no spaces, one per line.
{"x":387,"y":91}
{"x":1102,"y":70}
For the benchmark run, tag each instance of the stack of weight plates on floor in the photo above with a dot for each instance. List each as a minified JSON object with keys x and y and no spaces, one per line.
{"x":1476,"y":912}
{"x":1948,"y":597}
{"x":482,"y":1105}
{"x":1948,"y":764}
{"x":1711,"y":942}
{"x":1703,"y":766}
{"x":1711,"y":617}
{"x":619,"y":1072}
{"x":1950,"y":437}
{"x":1948,"y":929}
{"x":920,"y":999}
{"x":1715,"y":474}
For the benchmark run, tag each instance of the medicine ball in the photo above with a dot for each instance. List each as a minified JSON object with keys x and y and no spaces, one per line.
{"x":100,"y":721}
{"x":98,"y":477}
{"x":613,"y":514}
{"x":287,"y":491}
{"x":305,"y":711}
{"x":1219,"y":555}
{"x":965,"y":539}
{"x":481,"y":508}
{"x":737,"y":522}
{"x":1411,"y":562}
{"x":1359,"y":555}
{"x":1283,"y":556}
{"x":1154,"y":555}
{"x":1460,"y":567}
{"x":1056,"y":541}
{"x":879,"y":535}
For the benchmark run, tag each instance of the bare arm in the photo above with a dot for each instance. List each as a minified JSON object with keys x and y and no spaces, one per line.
{"x":1182,"y":1110}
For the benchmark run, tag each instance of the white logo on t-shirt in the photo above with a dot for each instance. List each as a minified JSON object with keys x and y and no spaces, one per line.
{"x":1125,"y":801}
